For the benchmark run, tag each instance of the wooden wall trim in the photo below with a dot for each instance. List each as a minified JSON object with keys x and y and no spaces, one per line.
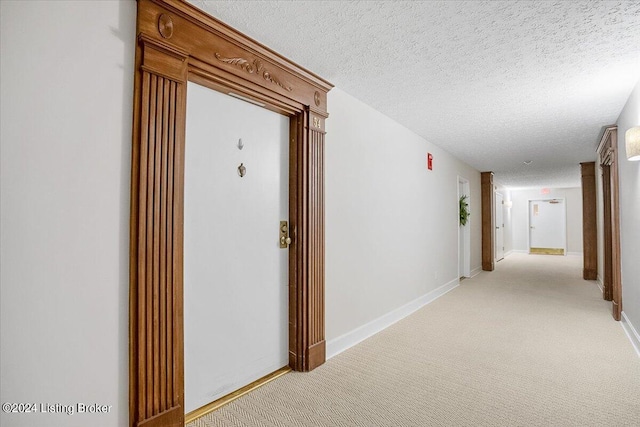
{"x":488,"y":221}
{"x":608,"y":158}
{"x":316,"y":333}
{"x":306,"y":302}
{"x":178,"y":43}
{"x":607,"y":279}
{"x":615,"y":231}
{"x":156,"y":341}
{"x":589,"y":221}
{"x":225,"y":32}
{"x":220,"y":49}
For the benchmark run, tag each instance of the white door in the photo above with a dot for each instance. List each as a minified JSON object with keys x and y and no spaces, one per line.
{"x":547,"y":234}
{"x":499,"y":235}
{"x":235,"y":274}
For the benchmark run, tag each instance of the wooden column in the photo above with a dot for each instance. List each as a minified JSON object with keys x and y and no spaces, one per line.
{"x":156,"y":306}
{"x":307,"y":346}
{"x":607,"y":274}
{"x":589,"y":226}
{"x":488,"y":221}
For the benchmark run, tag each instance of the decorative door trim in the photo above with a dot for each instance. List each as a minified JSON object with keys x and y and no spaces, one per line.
{"x":177,"y":43}
{"x":608,"y":159}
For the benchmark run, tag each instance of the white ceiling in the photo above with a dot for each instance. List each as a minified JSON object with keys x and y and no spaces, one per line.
{"x":495,"y":83}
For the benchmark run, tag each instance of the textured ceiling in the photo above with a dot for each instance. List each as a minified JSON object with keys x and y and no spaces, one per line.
{"x":495,"y":83}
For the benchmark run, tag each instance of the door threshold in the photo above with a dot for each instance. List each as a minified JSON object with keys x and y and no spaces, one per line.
{"x":546,"y":251}
{"x":219,"y":403}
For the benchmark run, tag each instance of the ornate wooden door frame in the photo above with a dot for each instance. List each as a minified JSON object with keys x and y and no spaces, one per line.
{"x":177,"y":43}
{"x":608,"y":160}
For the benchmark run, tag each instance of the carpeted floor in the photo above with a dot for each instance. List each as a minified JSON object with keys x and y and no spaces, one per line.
{"x":530,"y":344}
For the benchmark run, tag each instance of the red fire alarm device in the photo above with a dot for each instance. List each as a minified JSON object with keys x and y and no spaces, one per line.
{"x":429,"y":161}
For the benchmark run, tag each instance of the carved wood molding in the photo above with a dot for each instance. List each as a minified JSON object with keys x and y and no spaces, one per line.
{"x":202,"y":36}
{"x":606,"y":137}
{"x":254,"y":66}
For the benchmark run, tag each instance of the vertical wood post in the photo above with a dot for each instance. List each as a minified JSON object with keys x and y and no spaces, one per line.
{"x":307,"y":347}
{"x":488,"y":221}
{"x":608,"y":156}
{"x":589,"y":226}
{"x":607,"y":274}
{"x":156,"y":350}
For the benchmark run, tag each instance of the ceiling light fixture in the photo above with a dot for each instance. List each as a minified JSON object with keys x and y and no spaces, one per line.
{"x":632,"y":141}
{"x":527,"y":162}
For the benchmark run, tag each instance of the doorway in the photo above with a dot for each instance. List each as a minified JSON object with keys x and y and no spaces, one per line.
{"x":499,"y":212}
{"x":547,"y":227}
{"x":464,"y":234}
{"x":178,"y":43}
{"x":235,"y":272}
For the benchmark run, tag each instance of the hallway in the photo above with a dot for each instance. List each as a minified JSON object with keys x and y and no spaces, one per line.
{"x":529,"y":344}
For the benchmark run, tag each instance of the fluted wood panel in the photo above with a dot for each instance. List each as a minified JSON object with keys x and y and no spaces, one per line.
{"x":607,"y":279}
{"x":488,"y":221}
{"x":158,"y":361}
{"x":589,"y":225}
{"x":316,"y":235}
{"x":306,"y":300}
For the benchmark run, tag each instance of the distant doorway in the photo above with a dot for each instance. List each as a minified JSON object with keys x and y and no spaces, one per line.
{"x":547,"y":227}
{"x":499,"y":240}
{"x":464,"y":234}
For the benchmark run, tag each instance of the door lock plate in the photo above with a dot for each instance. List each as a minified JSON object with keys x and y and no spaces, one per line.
{"x":285,"y":240}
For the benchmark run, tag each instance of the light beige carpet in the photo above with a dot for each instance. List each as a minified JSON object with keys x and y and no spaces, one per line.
{"x":530,"y":344}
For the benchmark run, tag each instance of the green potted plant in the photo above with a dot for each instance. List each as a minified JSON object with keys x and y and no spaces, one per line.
{"x":464,"y":210}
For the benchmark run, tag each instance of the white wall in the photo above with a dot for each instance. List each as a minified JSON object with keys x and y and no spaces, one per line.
{"x":520,"y":212}
{"x":629,"y":181}
{"x":391,"y":224}
{"x":66,"y":91}
{"x":66,"y":94}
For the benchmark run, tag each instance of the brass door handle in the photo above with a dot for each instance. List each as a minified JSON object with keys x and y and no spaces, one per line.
{"x":285,"y":241}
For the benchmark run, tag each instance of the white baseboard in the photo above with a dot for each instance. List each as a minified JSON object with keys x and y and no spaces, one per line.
{"x":475,"y":272}
{"x":520,"y":251}
{"x":508,"y":253}
{"x":575,"y":253}
{"x":348,"y":340}
{"x":599,"y":283}
{"x":631,"y":332}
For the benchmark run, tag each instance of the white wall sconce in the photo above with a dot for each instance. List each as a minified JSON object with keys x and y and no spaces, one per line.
{"x":508,"y":204}
{"x":632,"y":141}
